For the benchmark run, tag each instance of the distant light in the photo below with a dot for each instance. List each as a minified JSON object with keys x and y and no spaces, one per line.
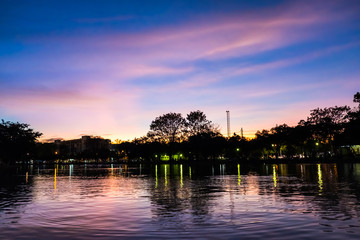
{"x":238,"y":149}
{"x":317,"y":144}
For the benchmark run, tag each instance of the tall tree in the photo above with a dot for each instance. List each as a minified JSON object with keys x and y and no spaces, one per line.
{"x":197,"y":123}
{"x":17,"y":141}
{"x":357,"y":98}
{"x":328,"y":122}
{"x":352,"y":129}
{"x":354,"y":114}
{"x":280,"y":136}
{"x":168,"y":128}
{"x":303,"y":138}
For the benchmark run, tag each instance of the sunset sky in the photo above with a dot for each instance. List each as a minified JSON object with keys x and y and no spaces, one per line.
{"x":108,"y":68}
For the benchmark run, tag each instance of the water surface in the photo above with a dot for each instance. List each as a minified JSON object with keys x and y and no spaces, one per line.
{"x":276,"y":201}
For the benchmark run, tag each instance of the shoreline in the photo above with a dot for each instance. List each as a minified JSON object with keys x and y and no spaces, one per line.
{"x":196,"y":162}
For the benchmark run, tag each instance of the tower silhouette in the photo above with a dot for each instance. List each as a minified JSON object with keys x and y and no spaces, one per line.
{"x":228,"y":122}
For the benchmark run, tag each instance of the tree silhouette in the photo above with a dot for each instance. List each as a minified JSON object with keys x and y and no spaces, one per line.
{"x":357,"y":98}
{"x":168,"y":128}
{"x":352,"y":129}
{"x":197,"y":123}
{"x":17,"y":141}
{"x":328,"y":122}
{"x":325,"y":132}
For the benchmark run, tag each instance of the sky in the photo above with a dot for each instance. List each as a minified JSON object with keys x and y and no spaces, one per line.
{"x":109,"y":68}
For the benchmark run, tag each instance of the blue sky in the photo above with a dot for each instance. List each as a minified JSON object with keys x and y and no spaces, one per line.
{"x":109,"y":68}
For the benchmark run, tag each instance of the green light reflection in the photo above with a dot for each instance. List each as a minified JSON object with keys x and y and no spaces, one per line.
{"x":239,"y":176}
{"x":274,"y":175}
{"x":166,"y":172}
{"x":156,"y":176}
{"x":181,"y":175}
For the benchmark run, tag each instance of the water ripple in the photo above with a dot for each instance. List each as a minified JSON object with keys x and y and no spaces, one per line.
{"x":121,"y":202}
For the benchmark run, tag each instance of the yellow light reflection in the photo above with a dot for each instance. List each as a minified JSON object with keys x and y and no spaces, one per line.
{"x":190,"y":172}
{"x":165,"y":167}
{"x":181,"y":176}
{"x":335,"y":171}
{"x":320,"y":179}
{"x":156,"y":176}
{"x":27,"y":177}
{"x":55,"y":179}
{"x":239,"y":176}
{"x":274,"y":175}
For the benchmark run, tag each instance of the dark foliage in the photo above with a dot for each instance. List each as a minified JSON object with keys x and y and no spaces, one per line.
{"x":325,"y":133}
{"x":17,"y":141}
{"x":328,"y":132}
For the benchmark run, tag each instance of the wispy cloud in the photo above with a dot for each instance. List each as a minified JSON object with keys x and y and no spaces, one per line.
{"x":232,"y":36}
{"x":91,"y":81}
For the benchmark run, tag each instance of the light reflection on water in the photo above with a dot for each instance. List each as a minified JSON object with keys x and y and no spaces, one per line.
{"x":277,"y":201}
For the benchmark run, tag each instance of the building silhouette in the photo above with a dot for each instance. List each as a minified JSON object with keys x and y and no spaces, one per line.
{"x":86,"y":145}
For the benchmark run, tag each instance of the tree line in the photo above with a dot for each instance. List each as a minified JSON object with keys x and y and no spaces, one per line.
{"x":17,"y":141}
{"x":332,"y":132}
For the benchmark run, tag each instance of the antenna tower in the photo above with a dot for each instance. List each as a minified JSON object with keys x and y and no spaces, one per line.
{"x":242,"y":133}
{"x":228,"y":122}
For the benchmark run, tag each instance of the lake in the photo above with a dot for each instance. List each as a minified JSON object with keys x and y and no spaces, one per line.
{"x":219,"y":201}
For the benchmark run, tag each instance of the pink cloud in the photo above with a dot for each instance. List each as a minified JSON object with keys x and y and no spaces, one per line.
{"x":118,"y":57}
{"x":229,"y":36}
{"x":200,"y":80}
{"x":129,"y":71}
{"x":100,"y":97}
{"x":218,"y":37}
